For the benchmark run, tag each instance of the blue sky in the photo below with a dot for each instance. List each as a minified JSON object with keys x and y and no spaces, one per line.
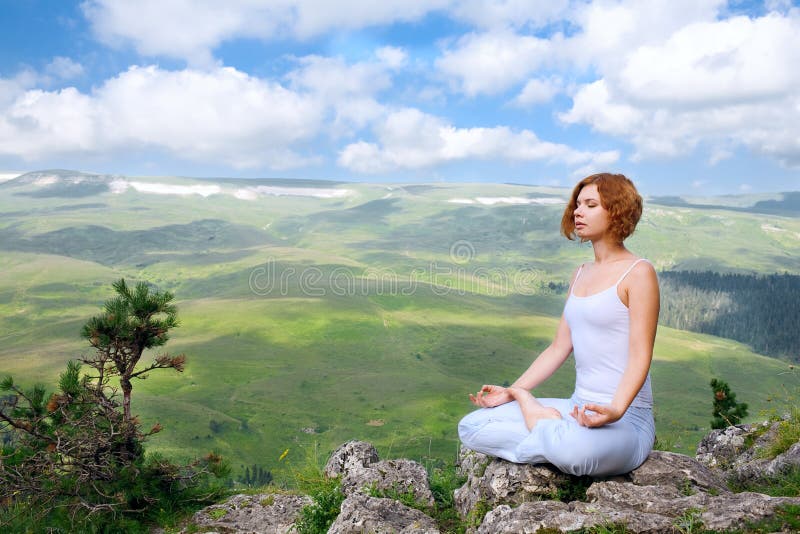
{"x":691,"y":97}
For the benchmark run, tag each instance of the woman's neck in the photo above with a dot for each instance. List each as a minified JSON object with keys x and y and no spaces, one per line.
{"x":607,"y":250}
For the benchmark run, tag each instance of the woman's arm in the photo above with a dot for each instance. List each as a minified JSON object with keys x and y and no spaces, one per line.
{"x":644,"y":304}
{"x":540,"y":370}
{"x":549,"y":360}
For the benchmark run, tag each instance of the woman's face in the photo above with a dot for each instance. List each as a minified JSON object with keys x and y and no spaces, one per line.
{"x":591,"y":218}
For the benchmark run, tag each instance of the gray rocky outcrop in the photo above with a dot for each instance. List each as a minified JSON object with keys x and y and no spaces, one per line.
{"x":353,"y":454}
{"x":268,"y":513}
{"x":361,"y":471}
{"x":670,"y":469}
{"x":665,"y":494}
{"x":361,"y":513}
{"x":668,"y":493}
{"x":492,"y":481}
{"x":739,"y":454}
{"x":556,"y":516}
{"x":390,"y":477}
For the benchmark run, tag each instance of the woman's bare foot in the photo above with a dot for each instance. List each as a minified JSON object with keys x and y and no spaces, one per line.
{"x":532,"y":409}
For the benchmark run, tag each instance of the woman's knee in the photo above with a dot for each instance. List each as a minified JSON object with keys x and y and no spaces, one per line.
{"x":471,"y":424}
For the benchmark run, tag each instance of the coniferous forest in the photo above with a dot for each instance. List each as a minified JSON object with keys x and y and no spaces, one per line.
{"x":759,"y":310}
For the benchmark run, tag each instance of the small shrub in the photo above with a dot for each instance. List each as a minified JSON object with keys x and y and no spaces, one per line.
{"x":726,"y":412}
{"x":689,"y":522}
{"x":217,"y":513}
{"x":316,"y":518}
{"x":784,"y":485}
{"x":788,"y":433}
{"x":787,"y":519}
{"x":406,"y":497}
{"x":478,"y":512}
{"x":574,"y":489}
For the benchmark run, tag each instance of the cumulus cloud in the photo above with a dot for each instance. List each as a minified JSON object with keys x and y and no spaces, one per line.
{"x":348,"y":89}
{"x":715,"y":84}
{"x":392,"y":56}
{"x":509,"y":13}
{"x":222,"y":115}
{"x":492,"y":62}
{"x":411,"y":139}
{"x":192,"y":29}
{"x":538,"y":91}
{"x":63,"y":68}
{"x":716,"y":63}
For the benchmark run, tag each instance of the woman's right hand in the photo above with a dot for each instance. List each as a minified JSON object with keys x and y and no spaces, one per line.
{"x":490,"y":396}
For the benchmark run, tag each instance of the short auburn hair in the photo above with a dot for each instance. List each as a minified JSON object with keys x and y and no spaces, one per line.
{"x":618,"y":196}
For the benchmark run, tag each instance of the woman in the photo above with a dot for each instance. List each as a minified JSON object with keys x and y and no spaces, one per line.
{"x":609,"y":322}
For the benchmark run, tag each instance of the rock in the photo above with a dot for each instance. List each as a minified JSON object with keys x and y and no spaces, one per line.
{"x":727,"y":452}
{"x":504,"y":482}
{"x":271,"y":513}
{"x":527,"y":518}
{"x":664,"y":468}
{"x":361,"y":513}
{"x":351,"y":454}
{"x":556,"y":516}
{"x":664,"y":500}
{"x":669,"y":492}
{"x":720,"y":447}
{"x":389,"y":477}
{"x":784,"y":462}
{"x":600,"y":514}
{"x":735,"y":511}
{"x":471,"y":463}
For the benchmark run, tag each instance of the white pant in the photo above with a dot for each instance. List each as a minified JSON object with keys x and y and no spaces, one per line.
{"x":607,"y":450}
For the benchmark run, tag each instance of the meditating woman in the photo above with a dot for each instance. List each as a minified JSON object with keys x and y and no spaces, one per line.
{"x":609,"y":322}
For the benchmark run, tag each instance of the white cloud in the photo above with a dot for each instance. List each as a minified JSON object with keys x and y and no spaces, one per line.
{"x":538,"y":91}
{"x":179,"y":28}
{"x":64,"y":68}
{"x":393,"y":57}
{"x":492,"y":62}
{"x":221,"y":116}
{"x":509,"y":13}
{"x":719,"y":85}
{"x":333,"y":77}
{"x":731,"y":61}
{"x":411,"y":139}
{"x":192,"y":29}
{"x":348,"y":89}
{"x":39,"y":123}
{"x":610,"y":30}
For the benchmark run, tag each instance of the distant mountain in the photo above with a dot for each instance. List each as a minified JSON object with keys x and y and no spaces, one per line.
{"x":61,"y":183}
{"x":788,"y":205}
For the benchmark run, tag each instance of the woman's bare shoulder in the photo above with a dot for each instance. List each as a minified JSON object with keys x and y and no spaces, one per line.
{"x":642,"y":276}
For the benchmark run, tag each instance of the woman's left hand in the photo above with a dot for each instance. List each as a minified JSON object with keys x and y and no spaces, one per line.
{"x":604,"y":414}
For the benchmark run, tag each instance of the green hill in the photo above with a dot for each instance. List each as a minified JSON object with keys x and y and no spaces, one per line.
{"x":317,"y":312}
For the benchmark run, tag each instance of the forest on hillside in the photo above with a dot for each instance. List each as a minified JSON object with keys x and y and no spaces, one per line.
{"x":759,"y":310}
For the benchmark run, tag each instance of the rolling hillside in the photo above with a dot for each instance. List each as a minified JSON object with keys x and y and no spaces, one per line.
{"x":315,"y":312}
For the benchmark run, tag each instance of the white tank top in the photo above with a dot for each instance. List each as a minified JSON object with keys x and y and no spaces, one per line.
{"x":600,"y":328}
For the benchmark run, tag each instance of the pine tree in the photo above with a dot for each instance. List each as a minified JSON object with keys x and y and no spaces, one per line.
{"x":726,"y":412}
{"x":133,"y":322}
{"x":77,"y":455}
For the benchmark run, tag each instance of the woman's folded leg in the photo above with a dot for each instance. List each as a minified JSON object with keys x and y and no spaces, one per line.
{"x":494,"y":431}
{"x":608,"y":450}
